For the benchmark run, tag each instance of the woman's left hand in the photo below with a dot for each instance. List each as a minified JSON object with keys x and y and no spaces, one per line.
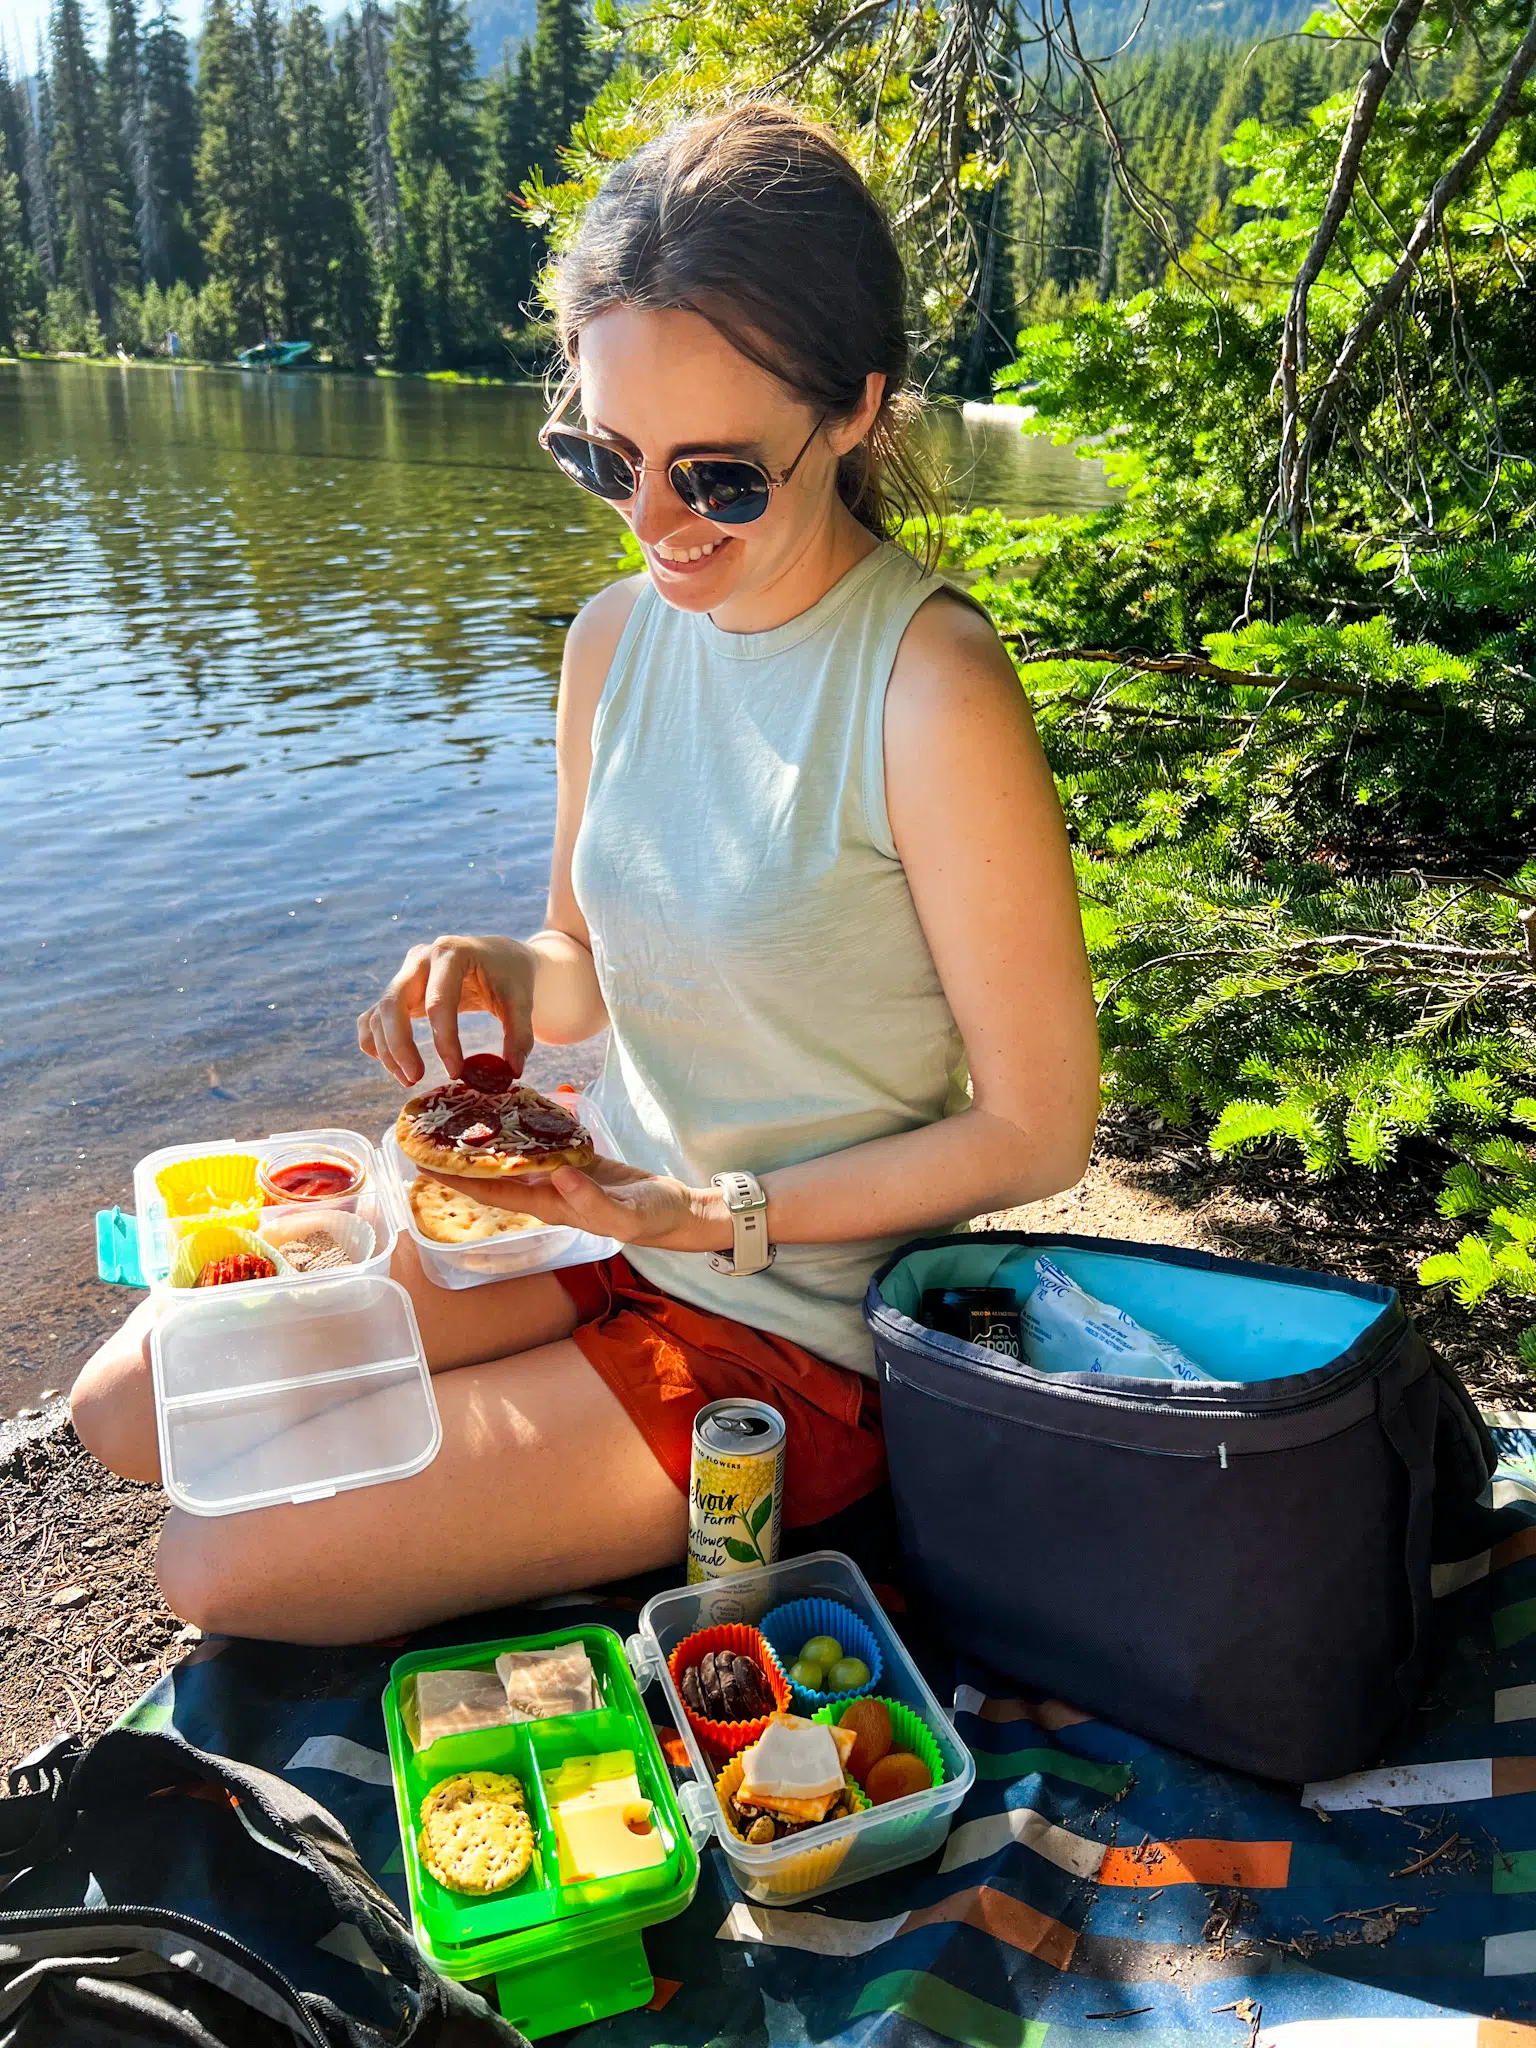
{"x":612,"y":1200}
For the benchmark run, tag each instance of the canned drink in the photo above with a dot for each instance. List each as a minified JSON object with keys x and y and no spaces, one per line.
{"x":988,"y":1316}
{"x":735,"y":1490}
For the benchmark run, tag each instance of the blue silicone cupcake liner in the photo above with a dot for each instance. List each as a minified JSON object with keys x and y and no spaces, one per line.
{"x":787,"y":1628}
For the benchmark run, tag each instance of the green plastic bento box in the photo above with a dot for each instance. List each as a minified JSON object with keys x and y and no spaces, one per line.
{"x":562,"y":1954}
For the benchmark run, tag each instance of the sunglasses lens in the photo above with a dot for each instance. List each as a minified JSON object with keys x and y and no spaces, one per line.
{"x":730,"y":493}
{"x":597,"y":469}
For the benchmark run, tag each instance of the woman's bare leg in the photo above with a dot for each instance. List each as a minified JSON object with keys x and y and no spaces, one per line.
{"x":113,"y":1407}
{"x":543,"y":1484}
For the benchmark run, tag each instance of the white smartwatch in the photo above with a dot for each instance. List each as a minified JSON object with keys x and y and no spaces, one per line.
{"x":750,"y":1250}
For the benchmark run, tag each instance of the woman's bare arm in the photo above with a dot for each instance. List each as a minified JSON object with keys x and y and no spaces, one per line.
{"x":976,"y":820}
{"x":540,"y":988}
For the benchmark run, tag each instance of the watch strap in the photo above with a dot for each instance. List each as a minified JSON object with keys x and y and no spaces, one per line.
{"x":748,"y":1208}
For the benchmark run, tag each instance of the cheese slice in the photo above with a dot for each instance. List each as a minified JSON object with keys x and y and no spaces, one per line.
{"x":457,"y":1702}
{"x":596,"y":1841}
{"x":803,"y":1811}
{"x":589,"y":1797}
{"x":794,"y":1759}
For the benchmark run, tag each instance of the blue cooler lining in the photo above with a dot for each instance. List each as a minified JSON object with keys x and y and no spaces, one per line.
{"x":1236,"y":1327}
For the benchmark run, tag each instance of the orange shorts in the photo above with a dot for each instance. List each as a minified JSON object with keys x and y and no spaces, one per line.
{"x":664,"y":1360}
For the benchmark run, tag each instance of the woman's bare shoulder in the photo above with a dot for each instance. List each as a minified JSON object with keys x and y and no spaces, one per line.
{"x":590,"y":646}
{"x":949,"y":654}
{"x":598,"y":627}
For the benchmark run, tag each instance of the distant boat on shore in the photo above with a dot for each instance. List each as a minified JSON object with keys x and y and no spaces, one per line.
{"x":274,"y":355}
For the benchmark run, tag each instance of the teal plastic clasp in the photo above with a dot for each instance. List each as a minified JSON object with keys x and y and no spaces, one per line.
{"x":117,"y":1249}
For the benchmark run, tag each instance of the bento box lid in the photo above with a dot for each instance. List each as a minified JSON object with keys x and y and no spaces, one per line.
{"x":289,"y":1392}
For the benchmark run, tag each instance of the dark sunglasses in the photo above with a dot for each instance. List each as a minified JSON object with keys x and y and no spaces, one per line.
{"x":723,"y":488}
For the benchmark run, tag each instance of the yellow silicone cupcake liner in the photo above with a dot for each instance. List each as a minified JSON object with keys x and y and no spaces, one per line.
{"x":805,"y":1872}
{"x":220,"y":1241}
{"x":219,"y":1185}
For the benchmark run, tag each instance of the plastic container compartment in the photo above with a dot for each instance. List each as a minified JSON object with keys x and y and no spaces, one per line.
{"x":160,"y":1233}
{"x":822,"y":1859}
{"x":290,"y":1390}
{"x":563,"y":1954}
{"x":520,"y":1252}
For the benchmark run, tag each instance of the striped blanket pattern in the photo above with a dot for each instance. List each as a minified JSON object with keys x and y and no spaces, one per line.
{"x":1095,"y":1888}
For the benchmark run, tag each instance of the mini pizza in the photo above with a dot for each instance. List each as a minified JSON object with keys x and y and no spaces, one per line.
{"x":485,"y":1126}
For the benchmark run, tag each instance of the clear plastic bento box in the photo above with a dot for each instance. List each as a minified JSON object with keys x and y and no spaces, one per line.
{"x":366,"y":1215}
{"x":294,"y":1386}
{"x":516,"y":1253}
{"x":285,"y":1391}
{"x":823,"y":1859}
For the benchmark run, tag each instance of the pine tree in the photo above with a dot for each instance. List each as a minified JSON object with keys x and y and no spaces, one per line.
{"x":170,"y":140}
{"x":13,"y":140}
{"x":37,"y":147}
{"x":384,"y":216}
{"x":513,"y":144}
{"x":80,"y":163}
{"x":432,"y":70}
{"x":16,"y":265}
{"x":124,"y":106}
{"x":565,"y":75}
{"x":309,"y":224}
{"x":353,"y":304}
{"x":233,"y":173}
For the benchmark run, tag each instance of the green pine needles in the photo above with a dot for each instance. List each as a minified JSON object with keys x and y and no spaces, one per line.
{"x":1300,"y":776}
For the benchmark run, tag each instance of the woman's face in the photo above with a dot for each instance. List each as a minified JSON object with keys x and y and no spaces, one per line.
{"x":665,"y":384}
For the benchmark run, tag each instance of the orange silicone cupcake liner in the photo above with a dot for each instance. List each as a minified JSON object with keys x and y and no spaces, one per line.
{"x":726,"y":1738}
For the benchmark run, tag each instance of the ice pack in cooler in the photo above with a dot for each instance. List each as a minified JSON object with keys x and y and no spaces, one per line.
{"x":1066,"y":1329}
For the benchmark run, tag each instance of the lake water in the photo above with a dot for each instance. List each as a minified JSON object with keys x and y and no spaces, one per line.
{"x":277,"y":677}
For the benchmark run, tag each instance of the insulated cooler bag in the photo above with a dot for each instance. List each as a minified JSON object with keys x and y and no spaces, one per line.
{"x":1239,"y":1569}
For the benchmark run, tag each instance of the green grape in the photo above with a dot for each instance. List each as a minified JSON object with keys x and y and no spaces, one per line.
{"x":847,"y":1675}
{"x":806,"y":1674}
{"x":823,"y":1650}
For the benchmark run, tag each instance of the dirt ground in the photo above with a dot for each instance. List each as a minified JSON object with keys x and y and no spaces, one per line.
{"x":83,"y":1630}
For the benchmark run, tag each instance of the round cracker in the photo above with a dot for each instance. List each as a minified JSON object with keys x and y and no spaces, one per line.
{"x":468,"y":1788}
{"x":477,"y":1846}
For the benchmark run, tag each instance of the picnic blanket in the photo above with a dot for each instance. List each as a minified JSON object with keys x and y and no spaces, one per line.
{"x":1095,"y":1887}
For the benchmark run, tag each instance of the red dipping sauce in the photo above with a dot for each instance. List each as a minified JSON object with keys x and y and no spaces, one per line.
{"x":309,"y":1173}
{"x":313,"y":1180}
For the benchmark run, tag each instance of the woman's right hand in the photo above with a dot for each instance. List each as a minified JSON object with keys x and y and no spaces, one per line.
{"x":439,"y":981}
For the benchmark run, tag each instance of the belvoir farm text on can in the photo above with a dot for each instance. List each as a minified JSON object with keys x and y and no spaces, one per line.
{"x":736,"y":1490}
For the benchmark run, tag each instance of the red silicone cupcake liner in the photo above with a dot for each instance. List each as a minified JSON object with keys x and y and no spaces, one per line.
{"x":728,"y":1738}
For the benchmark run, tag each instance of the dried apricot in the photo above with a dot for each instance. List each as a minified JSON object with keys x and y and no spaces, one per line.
{"x":870,"y":1721}
{"x":895,"y":1776}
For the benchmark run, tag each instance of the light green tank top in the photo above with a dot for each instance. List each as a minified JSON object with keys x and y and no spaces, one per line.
{"x":770,"y":993}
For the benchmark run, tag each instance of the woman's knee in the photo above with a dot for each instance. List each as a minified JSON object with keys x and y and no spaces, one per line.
{"x":112,"y":1402}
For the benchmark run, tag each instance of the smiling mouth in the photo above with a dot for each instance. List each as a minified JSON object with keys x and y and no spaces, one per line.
{"x":677,"y":557}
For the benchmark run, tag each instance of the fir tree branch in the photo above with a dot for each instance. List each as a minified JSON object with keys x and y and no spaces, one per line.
{"x":1200,"y":669}
{"x":1447,"y":188}
{"x":1293,"y":346}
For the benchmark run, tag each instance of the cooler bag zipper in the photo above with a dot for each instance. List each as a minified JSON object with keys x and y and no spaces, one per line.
{"x":1343,"y":1381}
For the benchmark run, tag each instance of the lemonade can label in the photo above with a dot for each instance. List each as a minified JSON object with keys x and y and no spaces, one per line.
{"x":735,"y":1489}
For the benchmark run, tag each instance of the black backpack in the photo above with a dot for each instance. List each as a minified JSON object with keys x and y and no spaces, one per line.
{"x":152,"y":1894}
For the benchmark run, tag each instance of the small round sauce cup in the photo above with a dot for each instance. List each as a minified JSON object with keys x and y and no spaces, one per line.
{"x":303,"y":1172}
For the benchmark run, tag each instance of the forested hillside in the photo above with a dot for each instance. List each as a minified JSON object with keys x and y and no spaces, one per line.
{"x":356,"y":181}
{"x":354,"y":186}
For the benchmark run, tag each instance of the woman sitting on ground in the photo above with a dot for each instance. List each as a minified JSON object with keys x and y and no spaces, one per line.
{"x":809,"y":872}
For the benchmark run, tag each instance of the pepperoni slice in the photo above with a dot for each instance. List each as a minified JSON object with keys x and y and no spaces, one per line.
{"x":477,"y":1134}
{"x":547,"y":1120}
{"x":471,"y":1117}
{"x":488,"y":1072}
